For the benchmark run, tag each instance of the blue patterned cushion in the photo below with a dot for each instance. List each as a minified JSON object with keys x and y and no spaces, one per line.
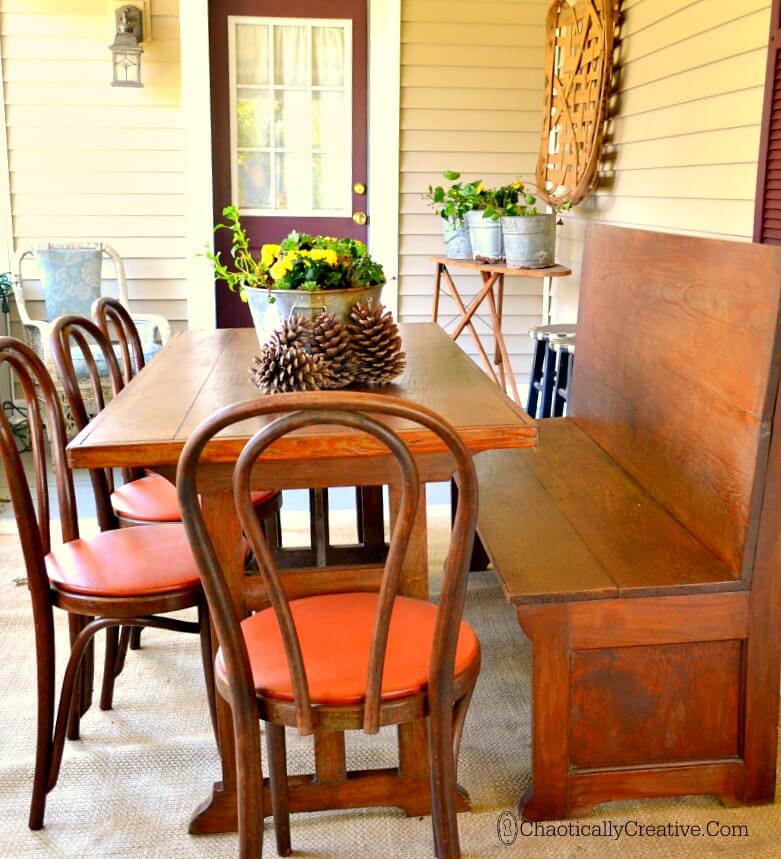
{"x":80,"y":364}
{"x":70,"y":278}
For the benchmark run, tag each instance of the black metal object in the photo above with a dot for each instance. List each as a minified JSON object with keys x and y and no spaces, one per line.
{"x":544,"y":398}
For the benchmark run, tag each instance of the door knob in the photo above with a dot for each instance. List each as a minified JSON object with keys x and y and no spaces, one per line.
{"x":359,"y":188}
{"x":360,"y":218}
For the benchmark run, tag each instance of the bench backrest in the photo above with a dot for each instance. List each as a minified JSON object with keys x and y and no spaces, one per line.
{"x":676,"y":373}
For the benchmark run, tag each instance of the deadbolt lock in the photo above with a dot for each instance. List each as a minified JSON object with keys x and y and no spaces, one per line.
{"x":360,"y":218}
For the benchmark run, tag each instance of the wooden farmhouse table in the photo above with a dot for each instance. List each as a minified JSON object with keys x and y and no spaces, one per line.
{"x":492,"y":292}
{"x":199,"y":372}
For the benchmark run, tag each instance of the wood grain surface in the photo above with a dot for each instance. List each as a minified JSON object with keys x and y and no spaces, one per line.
{"x":200,"y":372}
{"x":497,"y":268}
{"x":582,"y":528}
{"x":675,"y":338}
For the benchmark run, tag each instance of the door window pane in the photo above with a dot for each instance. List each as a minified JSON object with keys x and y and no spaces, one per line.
{"x":291,"y":117}
{"x":290,"y":65}
{"x":254,"y":174}
{"x":329,"y":176}
{"x":329,"y":121}
{"x":252,"y":57}
{"x":294,"y":187}
{"x":328,"y":56}
{"x":253,"y":119}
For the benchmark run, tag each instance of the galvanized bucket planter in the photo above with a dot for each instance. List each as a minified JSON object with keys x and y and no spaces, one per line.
{"x":529,"y":242}
{"x":457,"y":244}
{"x":269,"y":307}
{"x":485,"y":235}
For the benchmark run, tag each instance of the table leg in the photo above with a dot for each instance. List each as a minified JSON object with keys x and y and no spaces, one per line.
{"x":437,"y":287}
{"x":503,"y":348}
{"x":466,"y":319}
{"x":497,"y":352}
{"x":218,"y":813}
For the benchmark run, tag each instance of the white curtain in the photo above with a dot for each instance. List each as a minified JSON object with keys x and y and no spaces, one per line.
{"x":290,"y":66}
{"x":328,"y":56}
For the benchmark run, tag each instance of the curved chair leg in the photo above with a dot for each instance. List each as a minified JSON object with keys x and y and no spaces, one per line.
{"x":249,"y":778}
{"x":69,"y":692}
{"x":81,"y":701}
{"x":44,"y":657}
{"x":135,"y":638}
{"x":459,"y":717}
{"x":124,"y":642}
{"x":443,"y":778}
{"x":277,"y":776}
{"x":207,"y":656}
{"x":109,"y":667}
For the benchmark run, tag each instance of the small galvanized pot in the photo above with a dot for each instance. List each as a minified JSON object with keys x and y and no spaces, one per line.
{"x":269,"y":307}
{"x":457,"y":244}
{"x":485,"y":235}
{"x":529,"y":242}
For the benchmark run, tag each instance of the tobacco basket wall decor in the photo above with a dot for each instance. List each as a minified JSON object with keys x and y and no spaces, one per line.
{"x":578,"y":73}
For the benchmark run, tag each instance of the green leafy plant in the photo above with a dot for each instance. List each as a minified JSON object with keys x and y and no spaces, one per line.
{"x":299,"y":261}
{"x":514,"y":200}
{"x":246,"y":269}
{"x":451,"y":204}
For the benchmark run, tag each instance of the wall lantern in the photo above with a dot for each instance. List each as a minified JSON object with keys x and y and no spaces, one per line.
{"x":126,"y":50}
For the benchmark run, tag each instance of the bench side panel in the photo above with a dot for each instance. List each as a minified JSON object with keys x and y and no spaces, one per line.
{"x":676,"y":372}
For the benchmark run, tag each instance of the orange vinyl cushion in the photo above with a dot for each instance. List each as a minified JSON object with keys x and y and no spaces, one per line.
{"x":335,"y":632}
{"x":153,"y":499}
{"x":156,"y":559}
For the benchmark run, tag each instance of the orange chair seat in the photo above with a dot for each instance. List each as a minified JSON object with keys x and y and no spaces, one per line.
{"x":335,"y":632}
{"x":153,"y":499}
{"x":148,"y":561}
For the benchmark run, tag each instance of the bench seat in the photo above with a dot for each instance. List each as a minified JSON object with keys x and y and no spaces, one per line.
{"x":582,"y":528}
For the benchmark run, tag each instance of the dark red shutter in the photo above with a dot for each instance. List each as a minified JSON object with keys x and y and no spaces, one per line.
{"x":767,"y":217}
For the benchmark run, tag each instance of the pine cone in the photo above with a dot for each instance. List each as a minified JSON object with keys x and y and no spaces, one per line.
{"x":281,"y":368}
{"x":331,"y":339}
{"x":296,"y":331}
{"x":376,"y":343}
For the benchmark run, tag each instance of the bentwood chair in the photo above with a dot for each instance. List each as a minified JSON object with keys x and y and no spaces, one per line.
{"x":340,"y":661}
{"x":75,"y":338}
{"x":118,"y":578}
{"x":143,"y":498}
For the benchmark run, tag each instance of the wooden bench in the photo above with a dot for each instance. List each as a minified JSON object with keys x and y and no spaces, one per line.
{"x":641,"y":541}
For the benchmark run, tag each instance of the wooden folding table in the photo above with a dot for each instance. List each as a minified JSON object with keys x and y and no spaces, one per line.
{"x":493,"y":275}
{"x":198,"y":373}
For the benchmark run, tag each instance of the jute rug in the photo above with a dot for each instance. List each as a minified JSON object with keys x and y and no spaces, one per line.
{"x":128,"y":787}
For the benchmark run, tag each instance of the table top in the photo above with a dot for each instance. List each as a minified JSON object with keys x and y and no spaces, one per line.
{"x":199,"y":372}
{"x":500,"y":268}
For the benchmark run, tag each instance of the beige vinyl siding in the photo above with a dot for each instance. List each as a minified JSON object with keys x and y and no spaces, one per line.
{"x":681,"y":153}
{"x":471,"y":98}
{"x":91,"y":161}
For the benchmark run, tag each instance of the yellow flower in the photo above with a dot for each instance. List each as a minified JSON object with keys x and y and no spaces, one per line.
{"x":268,"y":254}
{"x":328,"y":256}
{"x":518,"y":186}
{"x":281,"y":267}
{"x":480,"y":188}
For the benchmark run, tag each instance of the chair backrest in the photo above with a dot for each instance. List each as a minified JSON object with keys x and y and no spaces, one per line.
{"x":362,"y":412}
{"x":117,"y":325}
{"x":70,"y":274}
{"x":32,"y":514}
{"x":74,"y":337}
{"x":677,"y":370}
